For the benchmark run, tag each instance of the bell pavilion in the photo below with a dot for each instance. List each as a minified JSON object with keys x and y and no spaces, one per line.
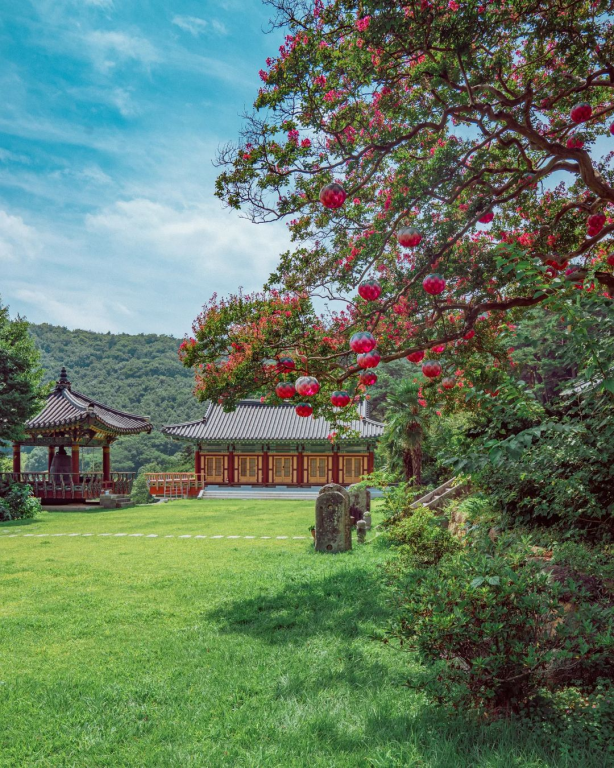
{"x":73,"y":421}
{"x":269,"y":445}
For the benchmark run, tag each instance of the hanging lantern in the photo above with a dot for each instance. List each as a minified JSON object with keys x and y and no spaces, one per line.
{"x":303,"y":409}
{"x":370,"y":290}
{"x":416,"y":357}
{"x":408,"y":237}
{"x":369,"y":359}
{"x":285,"y":390}
{"x":448,"y":382}
{"x":431,"y":369}
{"x":307,"y":386}
{"x":333,"y":195}
{"x":340,"y":399}
{"x":286,"y":364}
{"x":434,"y":284}
{"x":363,"y":341}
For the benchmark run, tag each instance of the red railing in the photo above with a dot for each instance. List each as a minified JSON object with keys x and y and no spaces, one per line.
{"x":174,"y":484}
{"x":88,"y":485}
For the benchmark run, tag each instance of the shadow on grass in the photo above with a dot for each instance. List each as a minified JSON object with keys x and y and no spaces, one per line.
{"x":4,"y":524}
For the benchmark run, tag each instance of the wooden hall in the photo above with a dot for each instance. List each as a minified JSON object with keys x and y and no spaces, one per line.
{"x":72,"y":420}
{"x":268,"y":445}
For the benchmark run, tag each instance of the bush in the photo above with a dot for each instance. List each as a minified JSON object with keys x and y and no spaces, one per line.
{"x":422,"y":537}
{"x":140,"y":491}
{"x":494,"y":630}
{"x":18,"y":503}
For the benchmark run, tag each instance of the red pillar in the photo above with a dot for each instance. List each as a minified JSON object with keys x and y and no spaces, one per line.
{"x":74,"y":457}
{"x":106,"y":464}
{"x":265,"y":467}
{"x":335,"y":467}
{"x":197,"y":463}
{"x":16,"y":458}
{"x":51,"y":454}
{"x":231,"y":467}
{"x":370,"y":462}
{"x":299,"y":468}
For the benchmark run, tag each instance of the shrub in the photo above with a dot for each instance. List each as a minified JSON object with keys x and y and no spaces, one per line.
{"x":494,"y":630}
{"x":422,"y":537}
{"x":140,"y":491}
{"x":18,"y":503}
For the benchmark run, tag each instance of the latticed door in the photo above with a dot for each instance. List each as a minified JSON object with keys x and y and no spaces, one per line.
{"x":318,"y":469}
{"x":283,"y":469}
{"x":353,"y":467}
{"x":214,"y":469}
{"x":250,"y":468}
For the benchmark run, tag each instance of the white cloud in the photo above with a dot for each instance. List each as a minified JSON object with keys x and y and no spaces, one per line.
{"x":191,"y":24}
{"x":18,"y":241}
{"x":107,"y":49}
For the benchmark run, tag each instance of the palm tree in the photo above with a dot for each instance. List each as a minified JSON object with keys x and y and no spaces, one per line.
{"x":406,"y":422}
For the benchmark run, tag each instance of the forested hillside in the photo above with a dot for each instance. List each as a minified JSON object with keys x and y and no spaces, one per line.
{"x":141,"y":374}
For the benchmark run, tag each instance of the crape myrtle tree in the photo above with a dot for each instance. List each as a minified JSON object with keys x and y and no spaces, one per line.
{"x":441,"y":166}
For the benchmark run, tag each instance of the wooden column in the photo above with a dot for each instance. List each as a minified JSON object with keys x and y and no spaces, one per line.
{"x":106,"y":463}
{"x":231,"y":467}
{"x":197,"y":463}
{"x":74,"y":458}
{"x":16,"y":458}
{"x":300,"y":479}
{"x":265,"y":468}
{"x":51,"y":454}
{"x":370,"y":462}
{"x":335,"y":467}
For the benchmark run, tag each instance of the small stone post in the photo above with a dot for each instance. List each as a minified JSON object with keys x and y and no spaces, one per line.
{"x":361,"y":531}
{"x":359,"y":502}
{"x":333,"y":525}
{"x":367,"y":519}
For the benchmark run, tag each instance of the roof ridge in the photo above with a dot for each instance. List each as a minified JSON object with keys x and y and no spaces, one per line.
{"x":116,"y":411}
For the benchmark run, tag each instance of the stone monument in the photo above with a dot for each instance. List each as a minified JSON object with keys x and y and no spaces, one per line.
{"x":333,"y":523}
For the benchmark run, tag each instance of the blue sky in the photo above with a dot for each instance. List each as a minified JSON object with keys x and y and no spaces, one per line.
{"x":112,"y":111}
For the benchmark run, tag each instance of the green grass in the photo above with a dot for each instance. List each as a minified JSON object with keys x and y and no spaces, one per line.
{"x":119,"y":651}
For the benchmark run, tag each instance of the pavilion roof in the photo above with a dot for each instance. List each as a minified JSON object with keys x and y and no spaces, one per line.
{"x":253,"y":421}
{"x":67,"y":408}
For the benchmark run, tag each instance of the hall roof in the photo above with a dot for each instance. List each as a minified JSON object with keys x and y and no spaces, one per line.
{"x":67,"y":408}
{"x":253,"y":421}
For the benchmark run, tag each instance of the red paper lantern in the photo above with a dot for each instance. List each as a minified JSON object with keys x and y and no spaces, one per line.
{"x":434,"y":284}
{"x":448,"y":382}
{"x":286,"y":364}
{"x":307,"y":386}
{"x":285,"y":390}
{"x":303,"y":409}
{"x":612,"y":129}
{"x":369,"y":359}
{"x":340,"y":399}
{"x":431,"y":369}
{"x":408,"y":237}
{"x":368,"y":378}
{"x":581,"y":113}
{"x":370,"y":290}
{"x":416,"y":357}
{"x":363,"y":341}
{"x":469,"y":335}
{"x":333,"y":195}
{"x":575,"y":141}
{"x":486,"y":218}
{"x":610,"y":260}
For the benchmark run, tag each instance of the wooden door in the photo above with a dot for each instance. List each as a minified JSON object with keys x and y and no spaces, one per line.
{"x":283,"y":469}
{"x":214,"y":468}
{"x":319,"y":469}
{"x":352,"y":468}
{"x":250,"y":468}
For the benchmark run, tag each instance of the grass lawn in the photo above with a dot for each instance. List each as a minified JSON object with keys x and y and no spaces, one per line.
{"x":136,"y":651}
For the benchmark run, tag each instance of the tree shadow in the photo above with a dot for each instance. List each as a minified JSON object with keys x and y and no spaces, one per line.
{"x":5,"y":524}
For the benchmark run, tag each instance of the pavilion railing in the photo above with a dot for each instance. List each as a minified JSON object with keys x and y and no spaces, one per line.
{"x":88,"y":485}
{"x":174,"y":484}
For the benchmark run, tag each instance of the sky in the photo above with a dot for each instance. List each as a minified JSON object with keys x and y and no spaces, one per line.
{"x":111,"y":115}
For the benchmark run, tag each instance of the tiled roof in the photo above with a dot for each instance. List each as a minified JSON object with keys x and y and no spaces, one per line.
{"x":256,"y":421}
{"x":65,"y":408}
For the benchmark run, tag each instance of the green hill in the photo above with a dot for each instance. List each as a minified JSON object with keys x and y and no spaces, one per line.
{"x":140,"y":374}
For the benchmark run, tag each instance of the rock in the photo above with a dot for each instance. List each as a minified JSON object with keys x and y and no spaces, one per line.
{"x":333,"y":523}
{"x":359,"y":502}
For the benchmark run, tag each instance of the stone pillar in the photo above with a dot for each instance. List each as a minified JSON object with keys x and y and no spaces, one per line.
{"x":50,"y":455}
{"x":74,"y":460}
{"x":335,"y":466}
{"x":106,"y":463}
{"x":333,"y":530}
{"x":361,"y":531}
{"x":265,"y":467}
{"x":17,"y":458}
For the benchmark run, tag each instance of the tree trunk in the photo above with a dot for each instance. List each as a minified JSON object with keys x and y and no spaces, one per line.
{"x":416,"y":460}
